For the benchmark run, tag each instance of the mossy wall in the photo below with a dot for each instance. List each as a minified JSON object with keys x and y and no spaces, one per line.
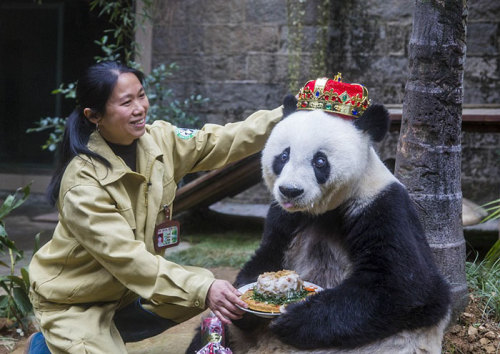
{"x":245,"y":55}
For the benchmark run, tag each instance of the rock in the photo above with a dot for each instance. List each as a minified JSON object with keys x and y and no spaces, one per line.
{"x":490,"y":335}
{"x":472,"y":334}
{"x":484,"y":341}
{"x":455,"y":329}
{"x":490,"y":349}
{"x":472,"y":213}
{"x":472,"y":331}
{"x":467,"y":315}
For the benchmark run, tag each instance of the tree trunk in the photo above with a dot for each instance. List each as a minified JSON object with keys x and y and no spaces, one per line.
{"x":428,"y":159}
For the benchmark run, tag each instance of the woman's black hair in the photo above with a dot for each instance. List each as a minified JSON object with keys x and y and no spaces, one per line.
{"x":93,"y":90}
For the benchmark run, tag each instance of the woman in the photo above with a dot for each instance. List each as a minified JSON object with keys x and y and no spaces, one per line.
{"x":102,"y":280}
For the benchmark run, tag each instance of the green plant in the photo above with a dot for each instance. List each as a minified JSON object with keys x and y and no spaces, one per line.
{"x":295,"y":18}
{"x":493,"y":209}
{"x":296,"y":11}
{"x":14,"y":304}
{"x":121,"y":16}
{"x":163,"y":105}
{"x":483,"y":278}
{"x":319,"y":58}
{"x":118,"y":44}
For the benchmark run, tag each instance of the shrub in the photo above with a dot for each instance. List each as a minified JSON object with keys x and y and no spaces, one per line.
{"x":14,"y":304}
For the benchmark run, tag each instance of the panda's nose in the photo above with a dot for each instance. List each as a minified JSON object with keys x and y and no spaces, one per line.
{"x":291,"y":192}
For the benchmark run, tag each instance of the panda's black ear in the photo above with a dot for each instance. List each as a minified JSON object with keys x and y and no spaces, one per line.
{"x":375,"y":121}
{"x":289,"y":105}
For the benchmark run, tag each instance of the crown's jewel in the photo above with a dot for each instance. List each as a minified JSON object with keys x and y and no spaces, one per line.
{"x":334,"y":96}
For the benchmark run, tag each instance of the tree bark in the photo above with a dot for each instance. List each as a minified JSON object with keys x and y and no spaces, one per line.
{"x":428,"y":159}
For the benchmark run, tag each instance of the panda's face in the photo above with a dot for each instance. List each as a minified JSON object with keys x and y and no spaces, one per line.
{"x":313,"y":160}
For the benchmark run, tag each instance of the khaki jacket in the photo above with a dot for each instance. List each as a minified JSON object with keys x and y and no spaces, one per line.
{"x":102,"y":248}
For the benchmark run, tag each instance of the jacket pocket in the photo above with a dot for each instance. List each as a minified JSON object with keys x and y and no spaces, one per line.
{"x":128,"y":215}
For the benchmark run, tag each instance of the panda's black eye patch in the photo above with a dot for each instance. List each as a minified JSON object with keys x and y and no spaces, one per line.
{"x":321,"y":167}
{"x":320,"y":162}
{"x":280,"y":161}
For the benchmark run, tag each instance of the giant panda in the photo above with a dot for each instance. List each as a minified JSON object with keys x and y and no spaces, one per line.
{"x":342,"y":221}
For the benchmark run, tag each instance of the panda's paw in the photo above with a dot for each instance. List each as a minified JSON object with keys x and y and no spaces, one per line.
{"x":291,"y":329}
{"x":250,"y":322}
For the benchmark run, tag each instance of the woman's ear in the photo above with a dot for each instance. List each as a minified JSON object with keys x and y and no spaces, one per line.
{"x":92,"y":116}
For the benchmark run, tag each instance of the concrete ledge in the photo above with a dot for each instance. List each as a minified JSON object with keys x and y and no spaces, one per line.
{"x":251,"y":210}
{"x":12,"y":181}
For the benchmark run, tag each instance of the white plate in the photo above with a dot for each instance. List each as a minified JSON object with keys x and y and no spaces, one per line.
{"x":244,"y":288}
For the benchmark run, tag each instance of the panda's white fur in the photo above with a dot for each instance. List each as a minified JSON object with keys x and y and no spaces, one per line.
{"x":352,"y":230}
{"x":356,"y":169}
{"x":419,"y":341}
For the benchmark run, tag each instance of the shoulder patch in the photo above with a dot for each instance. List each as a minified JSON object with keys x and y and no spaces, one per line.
{"x":185,"y":133}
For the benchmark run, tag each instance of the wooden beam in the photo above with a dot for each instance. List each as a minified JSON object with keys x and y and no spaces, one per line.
{"x":475,"y":118}
{"x":239,"y":176}
{"x":219,"y":184}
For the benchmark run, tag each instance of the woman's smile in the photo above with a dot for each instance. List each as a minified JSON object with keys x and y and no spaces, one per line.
{"x":125,"y":117}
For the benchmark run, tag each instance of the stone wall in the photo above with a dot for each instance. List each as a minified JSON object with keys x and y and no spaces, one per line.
{"x":236,"y":52}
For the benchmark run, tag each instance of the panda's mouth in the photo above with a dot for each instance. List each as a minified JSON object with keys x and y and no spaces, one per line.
{"x":292,"y":205}
{"x":292,"y":196}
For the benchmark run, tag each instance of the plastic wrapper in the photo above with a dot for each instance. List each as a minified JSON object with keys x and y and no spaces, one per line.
{"x":212,"y":336}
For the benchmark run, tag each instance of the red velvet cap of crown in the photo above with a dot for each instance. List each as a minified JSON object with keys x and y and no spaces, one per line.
{"x":334,"y":96}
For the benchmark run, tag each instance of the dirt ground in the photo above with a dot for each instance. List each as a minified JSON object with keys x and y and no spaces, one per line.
{"x":472,"y":334}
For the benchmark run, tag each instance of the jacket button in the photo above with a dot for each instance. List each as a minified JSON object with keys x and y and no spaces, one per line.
{"x":197,"y":303}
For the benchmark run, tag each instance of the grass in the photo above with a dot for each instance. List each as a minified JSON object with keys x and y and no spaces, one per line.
{"x":483,"y":278}
{"x":230,"y":249}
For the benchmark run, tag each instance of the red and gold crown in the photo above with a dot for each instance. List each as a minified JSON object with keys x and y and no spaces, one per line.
{"x":334,"y":96}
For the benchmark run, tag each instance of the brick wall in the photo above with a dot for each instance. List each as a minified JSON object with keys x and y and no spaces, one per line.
{"x":236,"y":52}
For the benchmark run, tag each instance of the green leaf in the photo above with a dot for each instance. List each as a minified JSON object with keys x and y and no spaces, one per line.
{"x":4,"y":283}
{"x":4,"y":303}
{"x":26,"y":277}
{"x":37,"y":243}
{"x":13,"y":201}
{"x":17,"y":281}
{"x":494,"y":208}
{"x":493,"y":254}
{"x":9,"y":244}
{"x":22,"y":301}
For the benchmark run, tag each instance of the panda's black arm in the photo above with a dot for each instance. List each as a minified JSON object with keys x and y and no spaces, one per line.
{"x":394,"y":284}
{"x":354,"y":314}
{"x":333,"y":318}
{"x":278,"y":231}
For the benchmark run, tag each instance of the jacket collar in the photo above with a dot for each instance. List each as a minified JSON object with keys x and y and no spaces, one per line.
{"x":147,"y":152}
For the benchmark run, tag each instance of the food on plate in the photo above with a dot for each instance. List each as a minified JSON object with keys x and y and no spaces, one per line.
{"x":275,"y":289}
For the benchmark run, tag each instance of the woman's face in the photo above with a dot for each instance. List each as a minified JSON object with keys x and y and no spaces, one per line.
{"x":126,"y":109}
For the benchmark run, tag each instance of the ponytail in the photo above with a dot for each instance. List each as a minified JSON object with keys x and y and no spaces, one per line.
{"x":76,"y":136}
{"x":92,"y":91}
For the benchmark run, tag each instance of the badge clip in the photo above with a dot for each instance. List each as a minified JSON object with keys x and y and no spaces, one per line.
{"x":166,"y":233}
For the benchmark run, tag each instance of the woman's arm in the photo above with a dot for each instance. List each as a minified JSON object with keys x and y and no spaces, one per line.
{"x":215,"y":146}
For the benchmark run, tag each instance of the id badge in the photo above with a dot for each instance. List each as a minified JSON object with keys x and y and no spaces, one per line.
{"x":167,"y":233}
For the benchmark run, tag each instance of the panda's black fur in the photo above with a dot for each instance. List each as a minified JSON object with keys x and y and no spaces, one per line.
{"x":370,"y":254}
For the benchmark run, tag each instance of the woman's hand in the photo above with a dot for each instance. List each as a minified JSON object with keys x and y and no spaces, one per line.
{"x":222,"y":298}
